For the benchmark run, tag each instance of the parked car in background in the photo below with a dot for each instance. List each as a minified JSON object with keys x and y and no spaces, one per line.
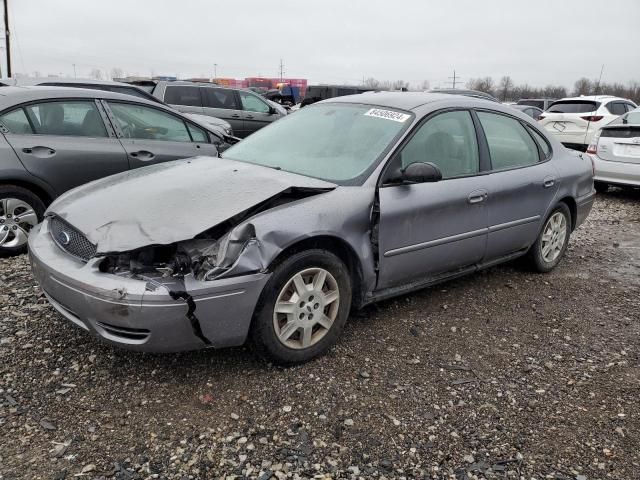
{"x":316,"y":93}
{"x":533,"y":112}
{"x":574,"y":121}
{"x":105,"y":85}
{"x":541,"y":103}
{"x":616,"y":152}
{"x":467,"y":93}
{"x":141,"y":91}
{"x":370,"y":196}
{"x":245,"y":111}
{"x":54,"y":139}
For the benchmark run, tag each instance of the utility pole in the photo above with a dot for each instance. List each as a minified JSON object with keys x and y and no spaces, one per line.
{"x":281,"y":70}
{"x":6,"y":37}
{"x":74,"y":71}
{"x":454,"y":79}
{"x":215,"y":72}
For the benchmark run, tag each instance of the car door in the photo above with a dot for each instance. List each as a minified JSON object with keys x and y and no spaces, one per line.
{"x":153,"y":135}
{"x":427,"y":230}
{"x":64,"y":142}
{"x":184,"y":98}
{"x":256,"y":112}
{"x":224,"y":103}
{"x":522,"y":183}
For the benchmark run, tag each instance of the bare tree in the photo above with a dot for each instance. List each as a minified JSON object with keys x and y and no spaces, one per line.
{"x":425,"y":85}
{"x":371,"y":83}
{"x":117,"y":72}
{"x":506,"y":84}
{"x":96,"y":73}
{"x":485,"y":84}
{"x":583,"y":86}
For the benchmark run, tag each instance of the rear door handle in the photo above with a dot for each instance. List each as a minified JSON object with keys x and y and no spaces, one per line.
{"x":549,"y":182}
{"x":235,"y":115}
{"x":478,"y":196}
{"x":249,"y":116}
{"x":39,"y":151}
{"x":143,"y":155}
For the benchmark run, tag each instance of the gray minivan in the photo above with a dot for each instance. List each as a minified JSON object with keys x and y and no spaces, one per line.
{"x":243,"y":109}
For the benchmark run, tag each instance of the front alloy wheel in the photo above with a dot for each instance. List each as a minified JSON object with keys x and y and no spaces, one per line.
{"x":303,"y":307}
{"x":306,"y":308}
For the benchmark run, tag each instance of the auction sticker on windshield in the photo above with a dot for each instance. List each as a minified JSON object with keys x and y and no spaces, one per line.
{"x":388,"y":114}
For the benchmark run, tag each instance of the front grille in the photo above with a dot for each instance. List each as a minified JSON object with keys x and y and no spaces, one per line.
{"x":71,"y":240}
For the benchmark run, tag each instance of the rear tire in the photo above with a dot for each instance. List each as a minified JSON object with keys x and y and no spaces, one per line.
{"x":601,"y":187}
{"x":312,"y":292}
{"x":550,"y":246}
{"x":17,"y":202}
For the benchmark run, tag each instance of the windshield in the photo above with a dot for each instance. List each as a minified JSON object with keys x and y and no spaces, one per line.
{"x":574,"y":106}
{"x":340,"y":143}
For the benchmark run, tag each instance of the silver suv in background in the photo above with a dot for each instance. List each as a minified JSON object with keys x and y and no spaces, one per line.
{"x":243,"y":109}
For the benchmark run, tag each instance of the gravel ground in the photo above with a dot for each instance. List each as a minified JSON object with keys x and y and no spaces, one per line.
{"x":503,"y":374}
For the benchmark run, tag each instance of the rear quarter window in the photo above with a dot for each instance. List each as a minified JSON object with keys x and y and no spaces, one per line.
{"x":183,"y":95}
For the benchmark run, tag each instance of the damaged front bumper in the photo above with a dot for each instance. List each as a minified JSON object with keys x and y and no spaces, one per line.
{"x":161,"y":315}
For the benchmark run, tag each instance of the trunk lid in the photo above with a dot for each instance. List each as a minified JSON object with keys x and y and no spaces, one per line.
{"x":620,"y":143}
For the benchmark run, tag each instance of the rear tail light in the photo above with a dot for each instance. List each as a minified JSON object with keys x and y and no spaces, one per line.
{"x":593,"y":167}
{"x":592,"y":118}
{"x":592,"y":148}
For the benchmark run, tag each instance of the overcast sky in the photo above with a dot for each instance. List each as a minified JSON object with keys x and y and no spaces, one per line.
{"x":332,"y":41}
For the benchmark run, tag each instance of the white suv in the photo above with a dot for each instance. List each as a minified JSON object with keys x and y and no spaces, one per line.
{"x":575,"y":120}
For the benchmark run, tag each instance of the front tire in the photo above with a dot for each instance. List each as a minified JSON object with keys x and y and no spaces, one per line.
{"x":551,"y":244}
{"x":303,"y":308}
{"x":20,"y":211}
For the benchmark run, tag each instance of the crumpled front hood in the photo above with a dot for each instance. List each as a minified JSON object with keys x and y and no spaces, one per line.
{"x":170,"y":202}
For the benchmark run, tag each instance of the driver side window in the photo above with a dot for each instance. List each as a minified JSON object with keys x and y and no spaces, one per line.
{"x":447,"y":140}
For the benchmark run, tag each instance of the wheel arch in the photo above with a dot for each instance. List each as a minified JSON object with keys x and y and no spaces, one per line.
{"x":41,"y":192}
{"x":338,"y":247}
{"x":573,"y":209}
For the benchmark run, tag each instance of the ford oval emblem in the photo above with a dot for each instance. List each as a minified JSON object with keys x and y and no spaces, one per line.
{"x":64,"y":238}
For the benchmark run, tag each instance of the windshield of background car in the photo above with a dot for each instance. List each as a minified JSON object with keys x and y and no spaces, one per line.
{"x":340,"y":143}
{"x":574,"y":106}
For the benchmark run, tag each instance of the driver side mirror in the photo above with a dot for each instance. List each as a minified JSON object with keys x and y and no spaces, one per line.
{"x":272,"y":110}
{"x":421,"y":172}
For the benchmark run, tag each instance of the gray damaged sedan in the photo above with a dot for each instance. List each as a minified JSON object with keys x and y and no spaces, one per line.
{"x":347,"y":202}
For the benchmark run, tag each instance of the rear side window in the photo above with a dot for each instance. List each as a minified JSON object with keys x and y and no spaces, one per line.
{"x":16,"y":122}
{"x":74,"y":118}
{"x":616,"y":108}
{"x":574,"y":106}
{"x":220,"y":98}
{"x":129,"y":91}
{"x":141,"y":122}
{"x":183,"y":95}
{"x":510,"y":145}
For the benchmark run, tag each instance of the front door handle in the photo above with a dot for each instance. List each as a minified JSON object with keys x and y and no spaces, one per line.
{"x":235,"y":115}
{"x":478,"y":196}
{"x":549,"y":182}
{"x":143,"y":155}
{"x":249,"y":116}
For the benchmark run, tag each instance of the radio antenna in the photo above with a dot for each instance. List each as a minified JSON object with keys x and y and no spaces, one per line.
{"x":595,"y":100}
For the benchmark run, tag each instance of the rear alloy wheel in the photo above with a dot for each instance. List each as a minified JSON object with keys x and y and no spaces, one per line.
{"x":303,"y":307}
{"x":20,"y":211}
{"x":601,"y":187}
{"x":552,"y":242}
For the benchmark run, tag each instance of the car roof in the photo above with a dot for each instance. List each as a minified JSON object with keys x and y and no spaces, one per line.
{"x":408,"y":100}
{"x":523,"y":107}
{"x":30,"y":81}
{"x":589,"y":98}
{"x":10,"y":96}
